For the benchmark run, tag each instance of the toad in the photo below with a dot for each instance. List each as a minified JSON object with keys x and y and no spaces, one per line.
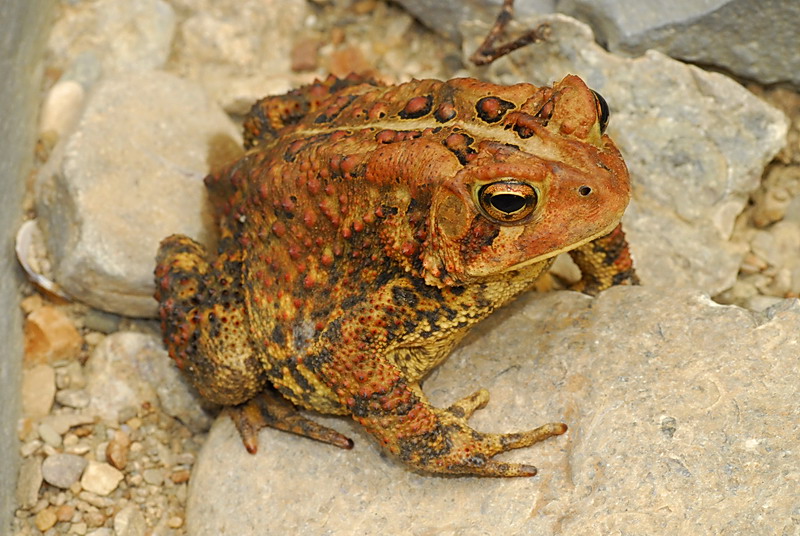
{"x":363,"y":233}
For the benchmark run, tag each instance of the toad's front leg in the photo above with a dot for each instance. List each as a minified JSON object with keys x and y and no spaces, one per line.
{"x":429,"y":439}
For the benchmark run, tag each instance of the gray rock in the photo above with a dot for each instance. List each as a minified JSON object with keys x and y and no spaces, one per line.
{"x":750,"y":39}
{"x":682,"y":417}
{"x":109,"y":37}
{"x":63,"y":470}
{"x":128,"y":369}
{"x":696,"y":144}
{"x":747,"y":38}
{"x":129,"y":175}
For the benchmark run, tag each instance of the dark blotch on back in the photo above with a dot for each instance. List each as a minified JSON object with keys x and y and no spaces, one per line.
{"x":417,"y":107}
{"x":492,"y":109}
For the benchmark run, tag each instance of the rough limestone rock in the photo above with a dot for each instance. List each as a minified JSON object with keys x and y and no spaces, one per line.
{"x":683,"y":419}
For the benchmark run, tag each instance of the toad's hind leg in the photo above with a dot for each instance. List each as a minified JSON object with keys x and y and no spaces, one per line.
{"x":203,"y":322}
{"x":205,"y":330}
{"x":270,"y":409}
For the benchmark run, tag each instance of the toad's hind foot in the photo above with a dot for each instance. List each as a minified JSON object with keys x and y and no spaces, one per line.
{"x":269,"y":409}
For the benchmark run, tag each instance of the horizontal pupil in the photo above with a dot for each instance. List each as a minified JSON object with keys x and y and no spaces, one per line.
{"x":508,"y":203}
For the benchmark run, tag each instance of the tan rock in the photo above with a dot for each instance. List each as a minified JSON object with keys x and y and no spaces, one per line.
{"x":50,"y":336}
{"x":100,"y":478}
{"x":38,"y":391}
{"x":46,"y":519}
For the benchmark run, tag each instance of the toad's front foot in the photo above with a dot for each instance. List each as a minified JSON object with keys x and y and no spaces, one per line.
{"x":451,"y":446}
{"x":473,"y":451}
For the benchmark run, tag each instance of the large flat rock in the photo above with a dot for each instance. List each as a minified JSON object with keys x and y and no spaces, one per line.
{"x":683,"y":418}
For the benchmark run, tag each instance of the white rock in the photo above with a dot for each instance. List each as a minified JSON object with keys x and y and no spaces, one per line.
{"x":129,"y":175}
{"x":62,"y":107}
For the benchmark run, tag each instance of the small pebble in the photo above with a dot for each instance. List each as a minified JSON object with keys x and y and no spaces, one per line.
{"x":41,"y":504}
{"x":130,"y":522}
{"x":29,"y":447}
{"x":175,"y":522}
{"x":29,"y":481}
{"x":153,"y":476}
{"x":65,"y":512}
{"x":117,"y":450}
{"x":73,"y":398}
{"x":127,"y":413}
{"x":49,"y":435}
{"x":38,"y":391}
{"x":101,"y":321}
{"x":100,"y":478}
{"x":61,"y":107}
{"x":50,"y":335}
{"x":63,"y":470}
{"x":63,"y":422}
{"x":74,"y":372}
{"x":96,"y":519}
{"x":46,"y":519}
{"x":94,"y":338}
{"x":178,"y":477}
{"x":135,"y":423}
{"x":95,"y":500}
{"x":80,"y":449}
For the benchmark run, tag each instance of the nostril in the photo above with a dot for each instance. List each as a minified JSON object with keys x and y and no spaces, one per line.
{"x":585,"y":190}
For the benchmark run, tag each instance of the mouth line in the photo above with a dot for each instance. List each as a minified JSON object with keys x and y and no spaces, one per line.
{"x":554,"y":253}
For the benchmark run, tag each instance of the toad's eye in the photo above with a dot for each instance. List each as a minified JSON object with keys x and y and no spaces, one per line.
{"x":602,"y":110}
{"x":507,"y":201}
